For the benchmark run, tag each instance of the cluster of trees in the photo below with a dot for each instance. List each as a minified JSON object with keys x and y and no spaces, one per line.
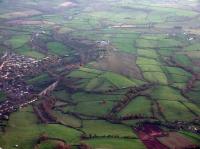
{"x":84,"y":146}
{"x":136,"y":116}
{"x":92,"y":136}
{"x":190,"y":83}
{"x":62,"y":145}
{"x":43,"y":111}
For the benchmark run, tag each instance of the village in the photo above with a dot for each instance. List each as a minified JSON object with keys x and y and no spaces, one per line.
{"x":12,"y":70}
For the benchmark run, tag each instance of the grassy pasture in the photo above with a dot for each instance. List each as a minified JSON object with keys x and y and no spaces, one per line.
{"x":177,"y":75}
{"x":47,"y":144}
{"x":193,"y":47}
{"x":102,"y":81}
{"x":177,"y":78}
{"x":158,"y":43}
{"x":81,"y":23}
{"x":115,"y":143}
{"x":169,"y":43}
{"x":125,"y":46}
{"x":150,"y":53}
{"x":94,"y":107}
{"x":151,"y":68}
{"x":40,"y":82}
{"x":63,"y":132}
{"x":193,"y":107}
{"x":177,"y":71}
{"x":95,"y":83}
{"x":101,"y":128}
{"x":165,"y":52}
{"x":112,"y":16}
{"x":177,"y":12}
{"x":58,"y":48}
{"x":82,"y":74}
{"x":85,"y":73}
{"x":179,"y":85}
{"x":67,"y":108}
{"x":156,"y":77}
{"x":90,"y":70}
{"x":144,"y":43}
{"x":194,"y":97}
{"x":153,"y":37}
{"x":18,"y":41}
{"x":16,"y":14}
{"x":146,"y":61}
{"x":21,"y":130}
{"x":82,"y":97}
{"x":125,"y":42}
{"x":67,"y":119}
{"x":82,"y":83}
{"x":174,"y":110}
{"x":53,"y":18}
{"x":139,"y":105}
{"x":27,"y":51}
{"x":38,"y":79}
{"x":62,"y":94}
{"x":183,"y":59}
{"x":167,"y":93}
{"x":118,"y":80}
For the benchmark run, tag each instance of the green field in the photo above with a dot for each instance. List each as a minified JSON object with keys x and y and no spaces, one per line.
{"x":81,"y":97}
{"x":116,"y":143}
{"x":118,"y":80}
{"x":18,"y":41}
{"x":155,"y":77}
{"x":47,"y":144}
{"x":97,"y":80}
{"x":103,"y":128}
{"x":147,"y":53}
{"x":58,"y":48}
{"x":24,"y":131}
{"x":173,"y":110}
{"x":62,"y":132}
{"x":62,"y":94}
{"x":38,"y":79}
{"x":138,"y":106}
{"x":67,"y":119}
{"x":27,"y":51}
{"x":167,"y":93}
{"x":94,"y":107}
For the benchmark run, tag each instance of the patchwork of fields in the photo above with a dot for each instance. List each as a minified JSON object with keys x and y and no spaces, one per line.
{"x":113,"y":74}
